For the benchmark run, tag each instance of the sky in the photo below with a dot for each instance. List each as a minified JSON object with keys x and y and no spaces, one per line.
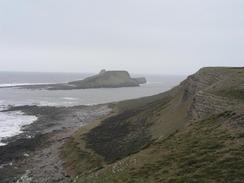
{"x":141,"y":36}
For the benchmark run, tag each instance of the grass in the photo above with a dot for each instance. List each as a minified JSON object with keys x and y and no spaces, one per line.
{"x":205,"y":151}
{"x":78,"y":160}
{"x":132,"y":130}
{"x":152,"y":139}
{"x":201,"y":153}
{"x":233,"y":93}
{"x":142,"y":102}
{"x":117,"y":138}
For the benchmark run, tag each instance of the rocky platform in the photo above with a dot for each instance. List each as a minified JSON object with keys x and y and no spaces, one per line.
{"x":36,"y":159}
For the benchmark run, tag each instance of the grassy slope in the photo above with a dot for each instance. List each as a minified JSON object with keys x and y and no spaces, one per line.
{"x":149,"y":142}
{"x":203,"y":152}
{"x":206,"y":151}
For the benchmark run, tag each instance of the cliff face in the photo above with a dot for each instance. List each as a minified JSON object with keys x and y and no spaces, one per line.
{"x":192,"y":132}
{"x":208,"y":88}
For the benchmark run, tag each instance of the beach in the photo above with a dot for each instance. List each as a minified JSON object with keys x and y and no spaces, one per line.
{"x":33,"y":156}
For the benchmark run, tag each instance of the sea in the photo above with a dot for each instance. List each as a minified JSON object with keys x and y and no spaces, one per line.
{"x":12,"y":122}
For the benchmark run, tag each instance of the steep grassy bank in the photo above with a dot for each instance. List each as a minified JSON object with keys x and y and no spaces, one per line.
{"x":204,"y":151}
{"x":192,"y":133}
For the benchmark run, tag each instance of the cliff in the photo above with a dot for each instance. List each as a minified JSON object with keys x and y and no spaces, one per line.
{"x":192,"y":133}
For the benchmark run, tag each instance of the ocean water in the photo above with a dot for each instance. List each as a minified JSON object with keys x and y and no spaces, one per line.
{"x":11,"y":122}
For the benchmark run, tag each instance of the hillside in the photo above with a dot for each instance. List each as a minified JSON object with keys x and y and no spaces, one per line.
{"x":192,"y":133}
{"x":108,"y":79}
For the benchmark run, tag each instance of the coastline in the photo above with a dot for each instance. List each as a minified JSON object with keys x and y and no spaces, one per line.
{"x":36,"y":159}
{"x":12,"y":123}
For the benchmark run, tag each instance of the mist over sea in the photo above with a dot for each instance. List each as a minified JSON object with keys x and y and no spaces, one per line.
{"x":11,"y":122}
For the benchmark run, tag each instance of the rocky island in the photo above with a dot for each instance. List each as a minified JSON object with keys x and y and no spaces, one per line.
{"x":105,"y":79}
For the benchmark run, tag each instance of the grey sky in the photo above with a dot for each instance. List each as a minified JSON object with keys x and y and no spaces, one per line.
{"x":142,"y":36}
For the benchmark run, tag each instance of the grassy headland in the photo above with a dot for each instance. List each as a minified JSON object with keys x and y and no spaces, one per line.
{"x":192,"y":133}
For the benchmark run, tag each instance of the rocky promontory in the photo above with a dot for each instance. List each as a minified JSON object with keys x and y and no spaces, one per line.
{"x":105,"y":79}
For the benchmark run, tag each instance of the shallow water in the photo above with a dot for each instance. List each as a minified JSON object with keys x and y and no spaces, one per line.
{"x":13,"y":96}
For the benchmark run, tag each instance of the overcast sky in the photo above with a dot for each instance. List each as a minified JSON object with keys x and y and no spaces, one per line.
{"x":142,"y":36}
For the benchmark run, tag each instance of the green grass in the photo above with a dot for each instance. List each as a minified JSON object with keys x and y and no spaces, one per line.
{"x":232,"y":93}
{"x":117,"y":138}
{"x":153,"y":139}
{"x":203,"y":152}
{"x":141,"y":102}
{"x":78,"y":160}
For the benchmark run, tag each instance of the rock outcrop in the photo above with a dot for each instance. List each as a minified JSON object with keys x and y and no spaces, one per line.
{"x":108,"y":79}
{"x":105,"y":79}
{"x":140,"y":80}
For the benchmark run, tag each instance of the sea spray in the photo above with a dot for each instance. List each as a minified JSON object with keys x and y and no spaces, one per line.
{"x":11,"y":123}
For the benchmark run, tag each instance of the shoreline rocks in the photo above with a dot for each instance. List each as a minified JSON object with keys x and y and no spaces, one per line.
{"x":40,"y":154}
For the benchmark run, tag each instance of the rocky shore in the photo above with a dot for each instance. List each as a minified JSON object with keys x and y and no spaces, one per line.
{"x":33,"y":156}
